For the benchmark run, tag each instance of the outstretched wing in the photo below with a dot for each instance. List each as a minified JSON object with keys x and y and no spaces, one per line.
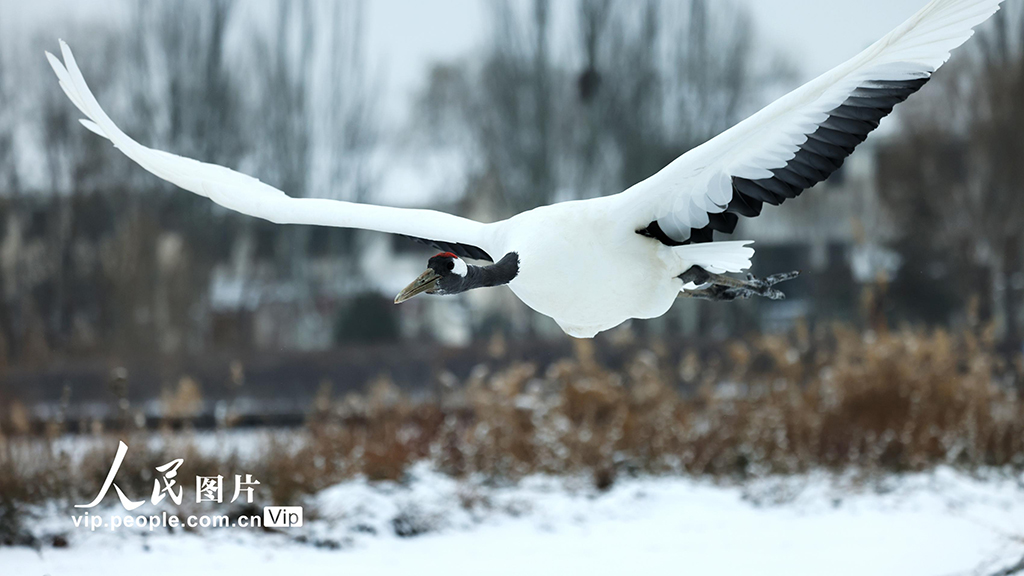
{"x":804,"y":136}
{"x":248,"y":195}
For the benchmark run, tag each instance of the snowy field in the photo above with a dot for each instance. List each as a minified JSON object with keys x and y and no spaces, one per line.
{"x":941,"y":523}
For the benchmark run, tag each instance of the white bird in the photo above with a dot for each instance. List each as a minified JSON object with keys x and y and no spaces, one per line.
{"x":593,"y":264}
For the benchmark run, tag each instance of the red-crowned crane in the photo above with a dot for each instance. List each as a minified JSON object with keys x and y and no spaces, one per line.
{"x":593,"y":264}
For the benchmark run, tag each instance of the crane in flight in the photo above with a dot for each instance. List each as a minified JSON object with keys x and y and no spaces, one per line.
{"x":593,"y":264}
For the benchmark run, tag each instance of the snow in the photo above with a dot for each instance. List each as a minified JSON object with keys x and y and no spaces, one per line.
{"x":938,"y":523}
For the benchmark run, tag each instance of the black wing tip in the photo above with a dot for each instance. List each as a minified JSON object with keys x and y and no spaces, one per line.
{"x":459,"y":249}
{"x":824,"y":152}
{"x":825,"y":149}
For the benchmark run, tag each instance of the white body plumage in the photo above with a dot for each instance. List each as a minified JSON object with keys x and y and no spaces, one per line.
{"x":584,"y":265}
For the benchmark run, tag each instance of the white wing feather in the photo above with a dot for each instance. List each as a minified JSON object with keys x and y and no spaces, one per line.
{"x":248,"y":195}
{"x":699,"y":182}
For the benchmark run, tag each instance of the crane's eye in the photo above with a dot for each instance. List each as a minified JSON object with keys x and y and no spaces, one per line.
{"x":450,"y":265}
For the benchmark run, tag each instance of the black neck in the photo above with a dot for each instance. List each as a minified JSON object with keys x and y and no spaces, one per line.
{"x":497,"y":274}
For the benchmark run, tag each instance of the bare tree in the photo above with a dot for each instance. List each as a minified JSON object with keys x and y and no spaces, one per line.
{"x":953,"y":179}
{"x":8,"y":169}
{"x":185,"y":97}
{"x":649,"y":81}
{"x":672,"y":75}
{"x":188,"y":95}
{"x":344,"y":130}
{"x":286,"y":59}
{"x":513,"y":110}
{"x":8,"y":187}
{"x":40,"y":296}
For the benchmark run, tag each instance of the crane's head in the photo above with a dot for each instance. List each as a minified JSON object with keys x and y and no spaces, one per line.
{"x":446,"y":274}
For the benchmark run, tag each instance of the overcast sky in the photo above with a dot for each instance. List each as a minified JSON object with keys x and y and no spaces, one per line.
{"x":404,"y":36}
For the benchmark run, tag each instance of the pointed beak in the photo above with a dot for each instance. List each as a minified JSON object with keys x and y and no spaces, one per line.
{"x":426,"y":282}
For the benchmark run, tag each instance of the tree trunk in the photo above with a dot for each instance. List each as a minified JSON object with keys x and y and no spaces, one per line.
{"x":1010,"y":298}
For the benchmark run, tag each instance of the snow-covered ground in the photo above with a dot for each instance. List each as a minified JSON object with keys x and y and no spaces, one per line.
{"x":940,"y":523}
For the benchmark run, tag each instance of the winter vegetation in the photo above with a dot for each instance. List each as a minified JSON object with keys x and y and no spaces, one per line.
{"x":769,"y":405}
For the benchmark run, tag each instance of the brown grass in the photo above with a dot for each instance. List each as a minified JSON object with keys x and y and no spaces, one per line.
{"x":898,"y":401}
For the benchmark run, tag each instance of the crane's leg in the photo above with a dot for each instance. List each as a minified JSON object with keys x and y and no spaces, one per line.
{"x":714,"y":292}
{"x":719,"y":287}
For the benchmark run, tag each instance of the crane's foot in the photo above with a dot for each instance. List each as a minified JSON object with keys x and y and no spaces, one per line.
{"x":721,"y":288}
